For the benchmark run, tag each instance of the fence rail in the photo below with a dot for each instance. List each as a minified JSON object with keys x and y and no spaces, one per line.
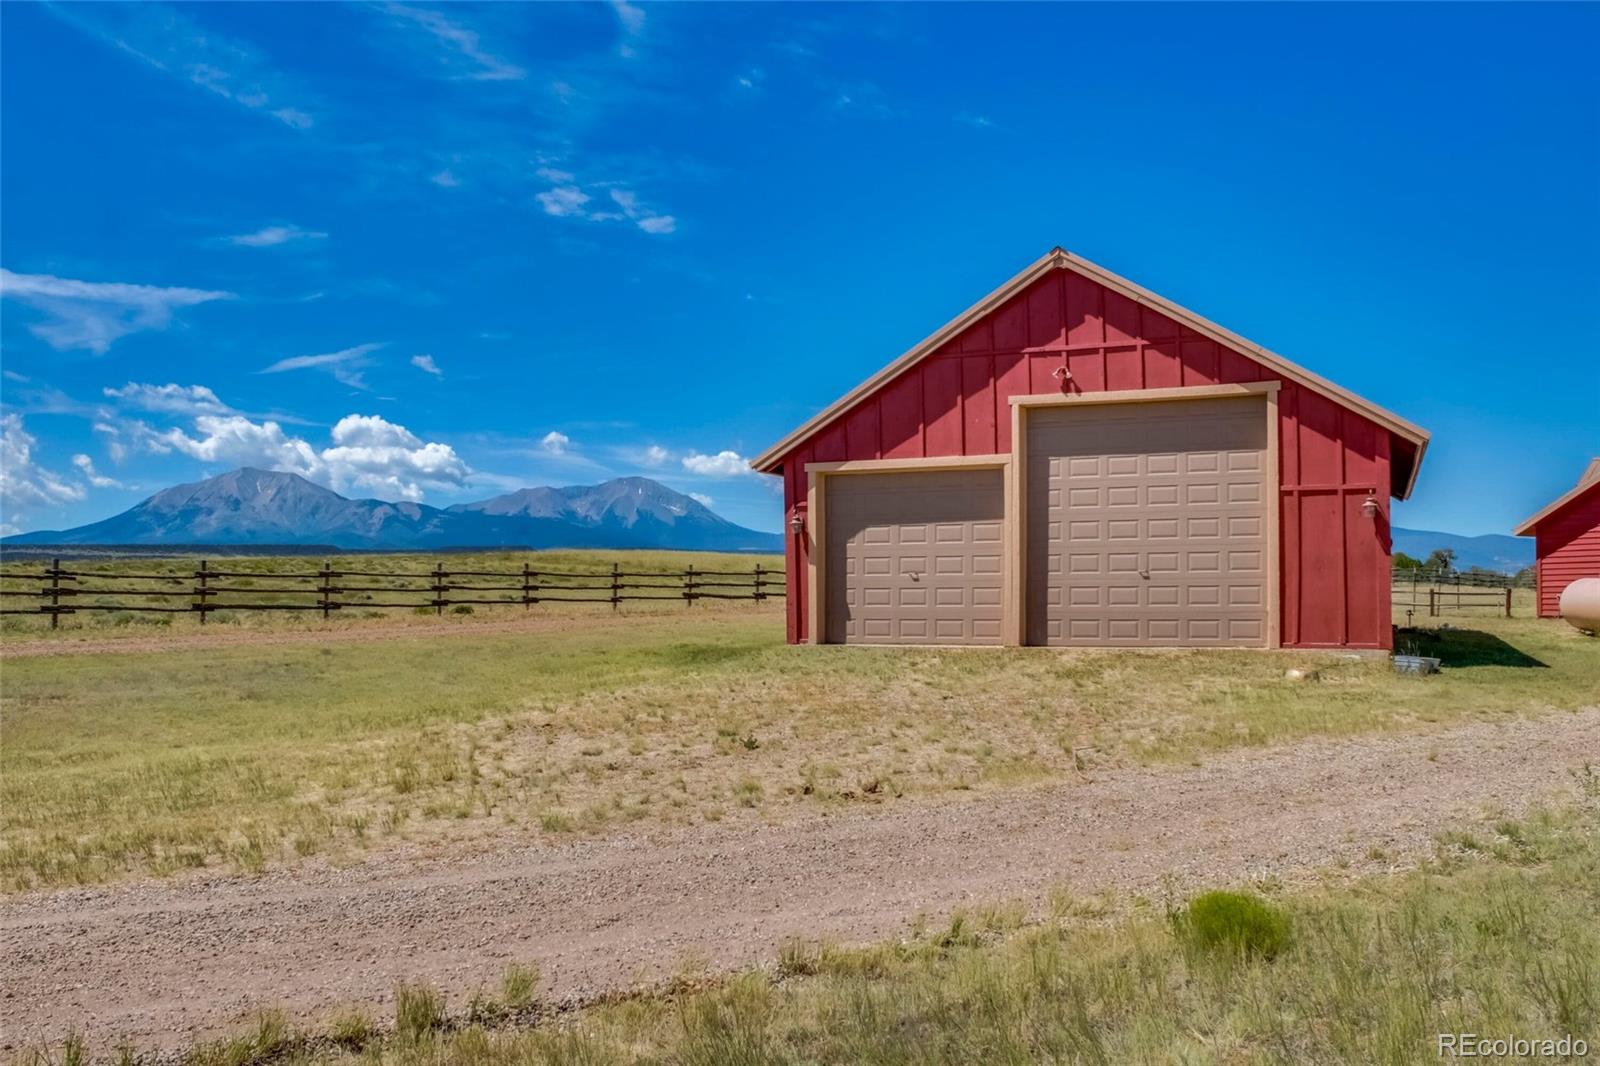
{"x":204,"y":591}
{"x":1418,"y":591}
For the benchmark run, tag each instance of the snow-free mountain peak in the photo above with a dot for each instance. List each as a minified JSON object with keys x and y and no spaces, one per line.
{"x":251,"y":506}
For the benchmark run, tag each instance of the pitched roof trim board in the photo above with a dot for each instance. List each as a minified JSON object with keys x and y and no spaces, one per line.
{"x":1590,"y":478}
{"x":1059,"y":258}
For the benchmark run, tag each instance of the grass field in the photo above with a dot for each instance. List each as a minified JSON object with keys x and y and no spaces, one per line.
{"x":1495,"y":936}
{"x":239,"y":756}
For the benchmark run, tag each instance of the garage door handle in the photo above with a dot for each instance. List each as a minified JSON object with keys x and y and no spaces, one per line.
{"x":1145,"y":574}
{"x":915,"y":577}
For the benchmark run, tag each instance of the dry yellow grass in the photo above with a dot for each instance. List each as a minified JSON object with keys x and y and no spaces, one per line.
{"x":243,"y":755}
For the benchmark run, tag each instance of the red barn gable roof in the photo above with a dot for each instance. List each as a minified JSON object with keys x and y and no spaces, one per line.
{"x":1590,"y":478}
{"x":1059,"y":259}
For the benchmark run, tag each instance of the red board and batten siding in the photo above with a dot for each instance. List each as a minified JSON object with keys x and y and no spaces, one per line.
{"x":1335,"y":564}
{"x":1567,"y":546}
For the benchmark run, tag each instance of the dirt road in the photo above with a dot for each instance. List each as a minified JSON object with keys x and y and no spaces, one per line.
{"x":162,"y":963}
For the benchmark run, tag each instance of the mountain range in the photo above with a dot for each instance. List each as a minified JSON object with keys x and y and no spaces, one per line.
{"x":250,"y":506}
{"x":1491,"y":551}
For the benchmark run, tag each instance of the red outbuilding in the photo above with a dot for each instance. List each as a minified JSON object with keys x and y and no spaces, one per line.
{"x":1566,"y":539}
{"x":1074,"y":460}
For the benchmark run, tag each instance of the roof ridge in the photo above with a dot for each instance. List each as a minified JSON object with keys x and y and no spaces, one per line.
{"x":1059,"y":257}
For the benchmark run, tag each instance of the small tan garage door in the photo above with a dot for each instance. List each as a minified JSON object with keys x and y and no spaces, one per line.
{"x":914,"y":558}
{"x":1147,"y":523}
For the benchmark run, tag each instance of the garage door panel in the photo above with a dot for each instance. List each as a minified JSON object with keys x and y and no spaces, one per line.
{"x":1146,"y":523}
{"x":924,"y":552}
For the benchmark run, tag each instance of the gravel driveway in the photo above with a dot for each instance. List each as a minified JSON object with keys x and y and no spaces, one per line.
{"x":162,"y":963}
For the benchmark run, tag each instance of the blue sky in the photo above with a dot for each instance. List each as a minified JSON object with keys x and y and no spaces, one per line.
{"x":443,"y":251}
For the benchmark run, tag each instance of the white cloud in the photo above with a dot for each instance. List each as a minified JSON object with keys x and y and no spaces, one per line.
{"x":345,"y":365}
{"x":445,"y":179}
{"x":642,"y":216}
{"x":654,"y":456}
{"x":293,"y":116}
{"x":702,"y":499}
{"x":377,"y":456}
{"x":166,"y":39}
{"x":631,"y":16}
{"x":723,"y":464}
{"x":271,"y":236}
{"x":563,"y":201}
{"x":426,"y":364}
{"x":567,"y":198}
{"x":555,"y":443}
{"x":169,"y":399}
{"x":23,"y":483}
{"x":464,"y":47}
{"x":658,"y":224}
{"x":95,"y":478}
{"x":234,"y":439}
{"x":93,"y":315}
{"x":368,"y":453}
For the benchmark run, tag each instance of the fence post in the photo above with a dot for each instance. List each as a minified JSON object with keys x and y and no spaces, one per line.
{"x":438,"y":590}
{"x":1433,"y":600}
{"x":205,"y":568}
{"x":688,"y":587}
{"x":759,"y":594}
{"x":1508,"y":601}
{"x":616,"y":587}
{"x":326,"y":589}
{"x":55,"y":593}
{"x":525,"y":590}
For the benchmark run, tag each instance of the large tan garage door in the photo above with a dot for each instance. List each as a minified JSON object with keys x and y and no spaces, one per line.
{"x":914,"y":558}
{"x":1147,"y":523}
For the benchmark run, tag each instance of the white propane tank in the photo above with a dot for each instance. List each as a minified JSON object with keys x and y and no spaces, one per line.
{"x":1580,"y":604}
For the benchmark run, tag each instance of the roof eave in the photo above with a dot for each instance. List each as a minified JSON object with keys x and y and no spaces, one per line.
{"x":1530,"y":524}
{"x":1059,"y":257}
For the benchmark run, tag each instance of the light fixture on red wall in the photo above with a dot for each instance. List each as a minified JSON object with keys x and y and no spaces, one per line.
{"x":1369,"y":507}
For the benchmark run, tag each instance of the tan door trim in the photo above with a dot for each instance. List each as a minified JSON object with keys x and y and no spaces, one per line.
{"x":1185,"y":392}
{"x":1016,"y":482}
{"x":817,"y":475}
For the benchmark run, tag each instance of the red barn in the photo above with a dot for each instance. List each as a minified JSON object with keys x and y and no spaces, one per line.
{"x":1076,"y":461}
{"x":1566,"y":539}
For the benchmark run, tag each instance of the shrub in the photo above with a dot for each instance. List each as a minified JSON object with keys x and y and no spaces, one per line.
{"x":461,"y":608}
{"x":1236,"y":922}
{"x":418,"y":1010}
{"x":351,"y":1028}
{"x":518,"y":985}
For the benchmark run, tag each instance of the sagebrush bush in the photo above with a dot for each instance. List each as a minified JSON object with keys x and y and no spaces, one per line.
{"x":1236,"y":922}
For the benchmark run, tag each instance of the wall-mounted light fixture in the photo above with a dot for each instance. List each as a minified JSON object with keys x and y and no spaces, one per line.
{"x":797,"y":523}
{"x":1369,"y":507}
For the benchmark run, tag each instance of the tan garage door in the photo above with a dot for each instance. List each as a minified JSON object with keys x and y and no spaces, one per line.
{"x":1147,"y":523}
{"x":914,"y":558}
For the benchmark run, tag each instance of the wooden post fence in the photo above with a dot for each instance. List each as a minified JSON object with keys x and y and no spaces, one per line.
{"x":55,"y":594}
{"x":324,"y":589}
{"x":201,"y":589}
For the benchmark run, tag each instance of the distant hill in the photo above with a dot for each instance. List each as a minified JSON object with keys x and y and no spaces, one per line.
{"x":250,"y":506}
{"x":1491,"y":551}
